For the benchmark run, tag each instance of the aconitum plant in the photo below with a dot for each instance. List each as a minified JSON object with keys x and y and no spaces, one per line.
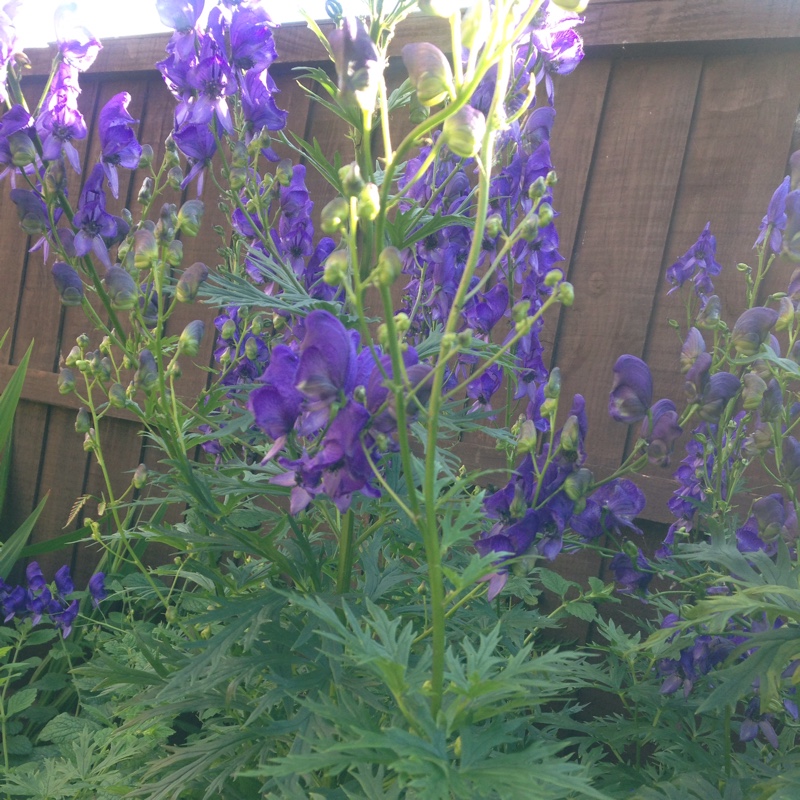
{"x":348,"y":608}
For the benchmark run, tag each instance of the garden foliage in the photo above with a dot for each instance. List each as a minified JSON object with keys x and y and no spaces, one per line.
{"x":349,"y":608}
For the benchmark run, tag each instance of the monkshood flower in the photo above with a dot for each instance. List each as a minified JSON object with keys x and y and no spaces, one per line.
{"x":632,"y":391}
{"x":251,"y":41}
{"x":68,"y":283}
{"x":482,"y":388}
{"x":94,"y":225}
{"x":59,"y":123}
{"x":693,"y":346}
{"x":429,"y":73}
{"x":660,"y":429}
{"x":118,"y":144}
{"x":197,"y":143}
{"x":97,"y":588}
{"x":698,"y":264}
{"x":16,"y":141}
{"x":752,"y":329}
{"x":258,"y":104}
{"x":755,"y":722}
{"x":76,"y":45}
{"x":697,"y":377}
{"x":9,"y":43}
{"x":357,"y":64}
{"x":791,"y":235}
{"x":610,"y":509}
{"x":774,"y":222}
{"x":212,"y":81}
{"x":632,"y":577}
{"x":463,"y":131}
{"x":180,"y":15}
{"x":720,"y":389}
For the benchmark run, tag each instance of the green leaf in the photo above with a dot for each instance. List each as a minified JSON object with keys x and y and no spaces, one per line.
{"x":13,"y":548}
{"x":19,"y":746}
{"x":65,"y":728}
{"x":554,"y":582}
{"x":20,"y":700}
{"x":585,"y":611}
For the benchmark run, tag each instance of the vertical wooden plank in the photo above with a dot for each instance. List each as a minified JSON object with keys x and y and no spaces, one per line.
{"x":623,"y":227}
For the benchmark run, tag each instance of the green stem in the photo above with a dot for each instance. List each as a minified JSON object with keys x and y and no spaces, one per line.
{"x":346,"y":552}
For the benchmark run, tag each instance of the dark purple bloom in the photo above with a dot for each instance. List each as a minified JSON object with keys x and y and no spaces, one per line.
{"x":64,"y":582}
{"x":752,"y":329}
{"x":33,"y":573}
{"x":698,"y":264}
{"x":94,"y":224}
{"x":212,"y":81}
{"x":117,"y":140}
{"x":631,"y":577}
{"x":774,"y":222}
{"x":252,"y":45}
{"x":197,"y":143}
{"x":697,"y":377}
{"x":32,"y":211}
{"x":357,"y":63}
{"x":632,"y":392}
{"x":660,"y":430}
{"x":327,"y":358}
{"x":68,"y":283}
{"x":97,"y":588}
{"x":718,"y":392}
{"x":258,"y":104}
{"x":791,"y":235}
{"x":484,"y":311}
{"x":59,"y":123}
{"x":610,"y":509}
{"x":483,"y":388}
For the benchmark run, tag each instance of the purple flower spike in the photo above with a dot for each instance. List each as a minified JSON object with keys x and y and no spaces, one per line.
{"x":632,"y":391}
{"x":660,"y":429}
{"x":752,"y":329}
{"x":698,"y":264}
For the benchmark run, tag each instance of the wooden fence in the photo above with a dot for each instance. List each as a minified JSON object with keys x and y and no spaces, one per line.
{"x":682,"y":113}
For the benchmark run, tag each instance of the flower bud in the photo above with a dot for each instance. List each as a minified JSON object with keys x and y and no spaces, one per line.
{"x":752,"y":329}
{"x":68,"y":283}
{"x":192,"y":335}
{"x":145,"y":249}
{"x":336,"y":266}
{"x":526,"y":438}
{"x":174,"y":254}
{"x":692,"y":347}
{"x":228,"y":330}
{"x":529,"y":227}
{"x":83,"y":422}
{"x":334,"y":216}
{"x":429,"y":73}
{"x":139,"y":476}
{"x":463,"y":131}
{"x":55,"y":178}
{"x":537,"y":189}
{"x":189,"y":282}
{"x":103,"y":369}
{"x":237,"y":178}
{"x":785,"y":320}
{"x":251,"y":348}
{"x":417,"y":113}
{"x":752,"y":391}
{"x":390,"y":266}
{"x":165,"y":227}
{"x":73,"y":356}
{"x":146,"y":157}
{"x":175,"y":178}
{"x":89,"y":440}
{"x":190,"y":216}
{"x":23,"y":151}
{"x":146,"y":376}
{"x":570,"y":435}
{"x":121,"y":289}
{"x":146,"y":191}
{"x":352,"y":182}
{"x":66,"y":381}
{"x":577,"y":484}
{"x":171,"y":155}
{"x":545,"y":214}
{"x":565,"y":294}
{"x":117,"y":396}
{"x":284,"y":171}
{"x":519,"y":312}
{"x":709,"y":316}
{"x":720,"y":389}
{"x":632,"y":391}
{"x":552,"y":389}
{"x":476,"y":24}
{"x":369,"y":203}
{"x":553,"y":277}
{"x":494,"y":225}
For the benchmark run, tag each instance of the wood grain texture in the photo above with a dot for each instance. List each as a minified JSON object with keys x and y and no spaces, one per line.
{"x":624,"y":223}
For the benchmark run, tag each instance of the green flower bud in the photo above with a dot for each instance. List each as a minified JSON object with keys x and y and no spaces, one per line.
{"x":709,"y":316}
{"x":139,"y":476}
{"x":83,"y":341}
{"x":417,"y":113}
{"x":73,"y":356}
{"x":565,"y":293}
{"x":89,"y":440}
{"x":553,"y":278}
{"x":192,"y":335}
{"x":23,"y":151}
{"x":103,"y":369}
{"x":526,"y":438}
{"x":66,"y":381}
{"x":570,"y":435}
{"x":549,"y":407}
{"x":578,"y":483}
{"x":390,"y":266}
{"x":174,"y":253}
{"x":284,"y":171}
{"x":464,"y":339}
{"x":171,"y":154}
{"x":537,"y":189}
{"x":175,"y":178}
{"x":228,"y":330}
{"x":334,"y":216}
{"x":146,"y":376}
{"x":189,"y":282}
{"x":117,"y":396}
{"x":429,"y":73}
{"x":476,"y":24}
{"x":463,"y":131}
{"x":402,"y":322}
{"x":753,"y":391}
{"x":146,"y":158}
{"x":174,"y":372}
{"x":55,"y":178}
{"x":552,"y":389}
{"x":336,"y":266}
{"x":785,"y":315}
{"x":545,"y":214}
{"x":121,"y":289}
{"x":190,"y":216}
{"x":145,"y":249}
{"x":165,"y":227}
{"x":551,"y":179}
{"x":631,"y":550}
{"x":519,"y":313}
{"x":494,"y":224}
{"x":529,"y":227}
{"x":237,"y":178}
{"x":352,"y":182}
{"x":251,"y":348}
{"x":83,"y":422}
{"x":369,"y":203}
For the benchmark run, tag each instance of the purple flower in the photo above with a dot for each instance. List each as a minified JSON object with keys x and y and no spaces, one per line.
{"x":77,"y":46}
{"x":258,"y":104}
{"x":610,"y":509}
{"x":327,"y":358}
{"x":660,"y":430}
{"x":64,"y":618}
{"x":197,"y":143}
{"x":698,"y":264}
{"x":791,"y":235}
{"x":752,"y":329}
{"x":252,"y":45}
{"x":718,"y":392}
{"x":68,"y":283}
{"x":774,"y":222}
{"x":117,"y":140}
{"x":357,"y":64}
{"x":97,"y":588}
{"x":94,"y":224}
{"x":33,"y":573}
{"x":64,"y":582}
{"x":180,"y":15}
{"x":632,"y":391}
{"x":631,"y":577}
{"x":59,"y":123}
